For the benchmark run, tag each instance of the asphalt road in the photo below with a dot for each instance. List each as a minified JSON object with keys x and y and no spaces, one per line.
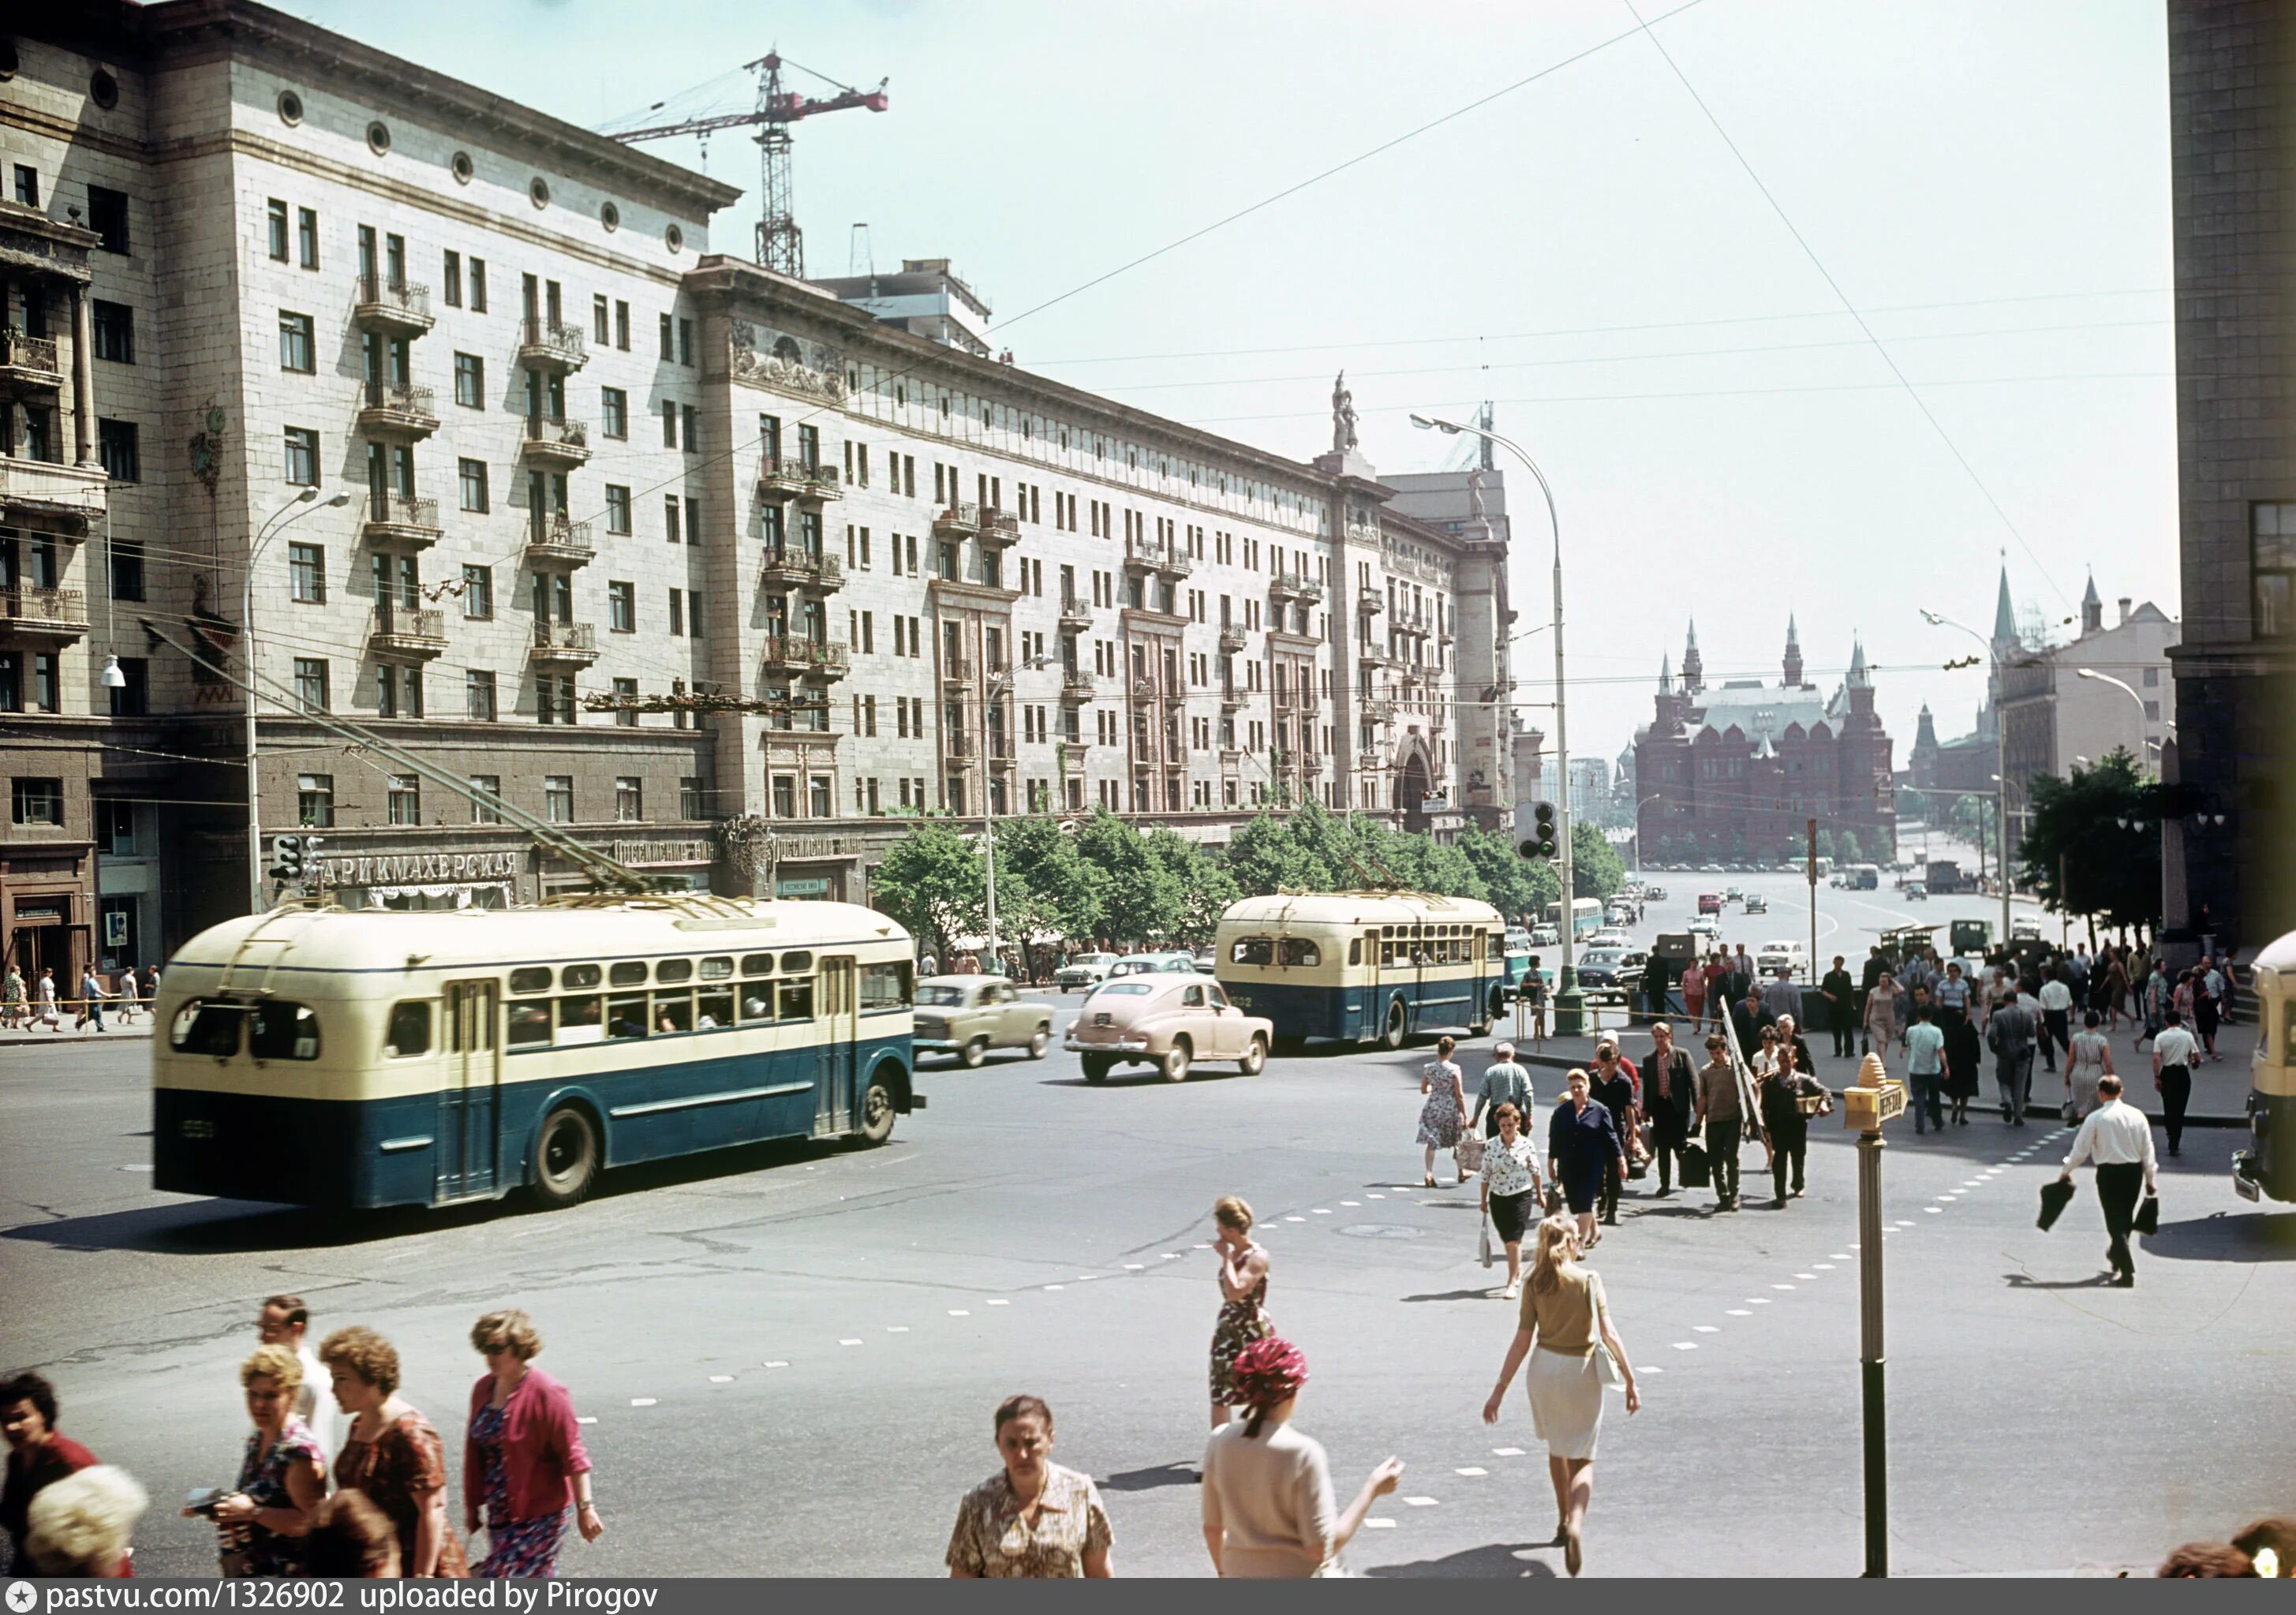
{"x":792,"y":1354}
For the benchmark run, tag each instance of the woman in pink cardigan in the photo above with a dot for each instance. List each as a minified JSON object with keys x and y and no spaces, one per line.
{"x":523,"y":1455}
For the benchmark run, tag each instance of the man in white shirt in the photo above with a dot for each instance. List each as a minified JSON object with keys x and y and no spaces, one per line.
{"x":2118,"y":1136}
{"x":1782,"y":998}
{"x":285,"y":1321}
{"x":2175,"y":1052}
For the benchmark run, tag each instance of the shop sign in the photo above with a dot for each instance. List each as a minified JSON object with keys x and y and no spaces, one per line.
{"x":408,"y":868}
{"x":636,"y":853}
{"x":814,"y":887}
{"x":794,"y":847}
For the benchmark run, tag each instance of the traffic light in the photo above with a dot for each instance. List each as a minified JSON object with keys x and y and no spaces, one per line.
{"x":1540,"y":843}
{"x":287,"y":858}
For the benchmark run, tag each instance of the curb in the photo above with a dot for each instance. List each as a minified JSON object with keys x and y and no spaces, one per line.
{"x":25,"y":1040}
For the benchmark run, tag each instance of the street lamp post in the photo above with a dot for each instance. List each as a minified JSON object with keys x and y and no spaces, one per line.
{"x":998,"y":688}
{"x":2001,"y":746}
{"x":1568,"y":1000}
{"x":1639,"y":805}
{"x":2143,"y":741}
{"x":301,"y":505}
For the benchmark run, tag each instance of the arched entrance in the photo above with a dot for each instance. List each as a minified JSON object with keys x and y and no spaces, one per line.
{"x":1414,"y":777}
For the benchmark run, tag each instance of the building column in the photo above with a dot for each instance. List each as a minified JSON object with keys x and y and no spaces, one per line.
{"x":83,"y":376}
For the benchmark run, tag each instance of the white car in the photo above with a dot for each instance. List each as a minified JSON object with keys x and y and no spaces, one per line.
{"x":1772,"y":956}
{"x":1707,"y":926}
{"x":1546,"y":936}
{"x":1085,"y":970}
{"x":1610,"y":936}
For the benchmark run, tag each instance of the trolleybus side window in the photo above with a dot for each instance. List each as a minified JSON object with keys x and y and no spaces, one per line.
{"x":626,"y":1017}
{"x":757,"y":964}
{"x":531,"y":978}
{"x":717,"y":969}
{"x":629,"y":972}
{"x":206,"y":1027}
{"x":673,"y":1011}
{"x":280,"y":1030}
{"x":884,"y":986}
{"x":1354,"y":950}
{"x":579,"y":1019}
{"x":579,"y":975}
{"x":530,"y":1026}
{"x":408,"y":1034}
{"x":797,"y":964}
{"x":714,"y":1008}
{"x":1300,"y":950}
{"x":797,"y":996}
{"x":758,"y":998}
{"x":1253,"y":950}
{"x":674,"y":970}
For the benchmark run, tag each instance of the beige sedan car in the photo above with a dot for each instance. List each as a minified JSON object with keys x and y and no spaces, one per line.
{"x":967,"y":1016}
{"x":1169,"y":1020}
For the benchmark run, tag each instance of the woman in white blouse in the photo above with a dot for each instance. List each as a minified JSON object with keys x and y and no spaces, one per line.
{"x":1511,"y":1189}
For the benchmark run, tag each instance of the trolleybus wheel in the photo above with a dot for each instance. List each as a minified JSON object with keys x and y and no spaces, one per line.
{"x":1255,"y":1058}
{"x":973,"y":1052}
{"x":1096,"y":1068}
{"x":1042,"y":1041}
{"x":876,"y":1114}
{"x":566,"y":1157}
{"x":1390,"y":1035}
{"x":1175,"y":1064}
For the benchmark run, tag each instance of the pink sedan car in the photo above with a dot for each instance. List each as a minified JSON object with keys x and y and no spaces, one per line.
{"x":1169,"y":1020}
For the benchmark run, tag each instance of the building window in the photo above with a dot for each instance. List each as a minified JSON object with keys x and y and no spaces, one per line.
{"x":404,"y":796}
{"x":470,"y":380}
{"x":618,"y":509}
{"x":478,"y":285}
{"x":669,"y":423}
{"x":478,"y":592}
{"x":275,"y":219}
{"x":622,"y":325}
{"x":668,"y":336}
{"x":626,"y":689}
{"x":107,"y":215}
{"x":689,"y":797}
{"x":451,"y":290}
{"x":315,"y":800}
{"x":311,"y":683}
{"x":784,"y":796}
{"x":2272,"y":560}
{"x":622,"y":607}
{"x":669,"y":523}
{"x":478,"y":695}
{"x":2151,"y":712}
{"x":307,"y":574}
{"x":38,"y":801}
{"x":558,"y":798}
{"x":692,"y":519}
{"x":818,"y":804}
{"x":488,"y":790}
{"x":297,"y":349}
{"x":127,"y":569}
{"x":629,"y":800}
{"x":677,"y":611}
{"x":686,"y":343}
{"x":307,"y":237}
{"x":470,"y":478}
{"x":614,"y":412}
{"x":28,"y":185}
{"x":116,"y":447}
{"x":302,"y":446}
{"x":115,"y":331}
{"x":598,"y":319}
{"x":692,"y":437}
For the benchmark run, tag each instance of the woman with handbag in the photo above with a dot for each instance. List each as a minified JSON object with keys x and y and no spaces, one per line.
{"x":1581,"y":1142}
{"x":1444,"y":1117}
{"x":1511,"y":1191}
{"x":1565,"y":1315}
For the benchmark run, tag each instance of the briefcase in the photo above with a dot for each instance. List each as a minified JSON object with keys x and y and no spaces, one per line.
{"x":2056,"y":1194}
{"x":2147,"y":1219}
{"x":1696,"y":1171}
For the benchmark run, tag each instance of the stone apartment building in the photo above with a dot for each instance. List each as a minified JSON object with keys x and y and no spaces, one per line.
{"x":450,"y":403}
{"x":2055,"y":717}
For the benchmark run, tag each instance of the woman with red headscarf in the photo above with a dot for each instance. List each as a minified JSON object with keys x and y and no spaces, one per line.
{"x":1267,"y":1487}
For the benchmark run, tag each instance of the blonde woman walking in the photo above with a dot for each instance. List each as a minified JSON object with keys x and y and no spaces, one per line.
{"x":1243,"y":1295}
{"x":1565,"y":1315}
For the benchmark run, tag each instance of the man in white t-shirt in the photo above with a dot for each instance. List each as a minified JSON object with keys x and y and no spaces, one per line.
{"x":2175,"y":1052}
{"x":285,"y":1321}
{"x":2056,"y":1017}
{"x":2118,"y":1137}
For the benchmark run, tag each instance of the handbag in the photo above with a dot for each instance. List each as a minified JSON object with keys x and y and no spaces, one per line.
{"x":1697,"y":1172}
{"x":2147,"y":1219}
{"x":2056,"y":1194}
{"x":1469,"y":1152}
{"x":1484,"y":1241}
{"x":1606,"y":1368}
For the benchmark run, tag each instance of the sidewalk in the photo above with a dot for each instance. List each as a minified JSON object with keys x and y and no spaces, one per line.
{"x":136,"y":1030}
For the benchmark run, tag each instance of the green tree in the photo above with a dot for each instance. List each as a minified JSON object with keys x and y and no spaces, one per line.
{"x":1511,"y":883}
{"x":1265,"y":856}
{"x":1205,"y":887}
{"x":1595,"y":870}
{"x":934,"y":883}
{"x":1070,"y":893}
{"x":2079,"y":856}
{"x":1143,"y":894}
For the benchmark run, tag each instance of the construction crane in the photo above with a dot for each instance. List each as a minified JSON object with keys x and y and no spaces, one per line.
{"x":781,"y":245}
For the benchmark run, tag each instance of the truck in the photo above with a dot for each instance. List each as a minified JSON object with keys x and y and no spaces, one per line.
{"x":1944,"y":877}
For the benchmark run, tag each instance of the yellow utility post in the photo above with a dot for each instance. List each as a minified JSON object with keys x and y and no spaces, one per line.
{"x":1876,"y":1098}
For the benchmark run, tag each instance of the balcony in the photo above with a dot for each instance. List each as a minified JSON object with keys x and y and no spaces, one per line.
{"x":555,"y":440}
{"x":781,"y":478}
{"x":391,"y":306}
{"x":1077,"y":684}
{"x":401,"y":520}
{"x":1370,"y":602}
{"x":806,"y":658}
{"x":565,"y":644}
{"x":57,"y":616}
{"x":1375,"y":709}
{"x":956,"y":521}
{"x":999,"y":529}
{"x":551,"y":345}
{"x":802,"y":569}
{"x":1230,"y":640}
{"x":1230,"y":698}
{"x":1143,"y":689}
{"x":404,"y":630}
{"x":1076,"y":616}
{"x":820,"y":484}
{"x":388,"y":409}
{"x":560,"y":542}
{"x":1294,"y":587}
{"x":28,"y":364}
{"x":64,"y":501}
{"x":1144,"y":554}
{"x":956,"y":669}
{"x":962,"y":751}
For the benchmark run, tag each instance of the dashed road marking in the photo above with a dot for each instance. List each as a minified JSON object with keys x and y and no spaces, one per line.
{"x":1000,"y":1302}
{"x":587,"y":1419}
{"x":1823,"y":1266}
{"x":1761,"y":1300}
{"x":1320,"y":1211}
{"x":897,"y":1329}
{"x":1507,"y":1452}
{"x":1133,"y":1267}
{"x":1686,"y":1345}
{"x":849,"y":1343}
{"x":778,"y":1363}
{"x":1781,"y":1287}
{"x":1056,"y":1286}
{"x":1811,"y":1277}
{"x":1368,"y":1197}
{"x":1378,"y":1522}
{"x":959,"y":1311}
{"x":1706,"y":1328}
{"x":1648,"y":1368}
{"x":1934,"y":1210}
{"x":1737,"y":1312}
{"x":1295,"y":1219}
{"x":721,"y":1379}
{"x":1470,"y":1471}
{"x":642,"y":1401}
{"x":1353,"y":1202}
{"x":1421,"y":1502}
{"x":1840,"y":1256}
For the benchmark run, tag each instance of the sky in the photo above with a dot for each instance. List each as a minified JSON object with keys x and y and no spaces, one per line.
{"x":1985,"y":182}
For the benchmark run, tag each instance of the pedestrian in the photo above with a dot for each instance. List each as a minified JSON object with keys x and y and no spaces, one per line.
{"x":11,"y":999}
{"x":91,"y":1000}
{"x":1743,"y":972}
{"x":1581,"y":1140}
{"x":1693,"y":995}
{"x":1717,"y":989}
{"x":1870,"y":976}
{"x":1504,"y":1082}
{"x":1784,"y":1123}
{"x":1748,"y":1022}
{"x":1780,"y":996}
{"x":1613,"y":1083}
{"x":1033,"y":1519}
{"x":1840,"y":993}
{"x":1567,"y":1318}
{"x":1267,"y":1500}
{"x":2116,"y":989}
{"x":1722,"y":1118}
{"x":2208,"y":992}
{"x":39,"y":1455}
{"x":1964,"y":1064}
{"x":79,"y":1528}
{"x":1533,"y":994}
{"x":392,"y":1452}
{"x":1925,"y":1069}
{"x":46,"y":1010}
{"x":351,"y":1539}
{"x":1788,"y":1032}
{"x":1952,"y":997}
{"x":523,"y":1455}
{"x":2152,"y":1002}
{"x":152,"y":984}
{"x":2175,"y":1052}
{"x":1443,"y":1116}
{"x":1243,"y":1298}
{"x":128,"y":997}
{"x":2118,"y":1136}
{"x":1881,"y":1014}
{"x":1511,"y":1189}
{"x":2009,"y":1033}
{"x":1670,"y":1099}
{"x":2056,"y":1006}
{"x":282,"y":1474}
{"x":2088,"y":1058}
{"x":285,"y":1320}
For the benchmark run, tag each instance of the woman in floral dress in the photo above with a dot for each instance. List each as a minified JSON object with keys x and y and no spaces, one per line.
{"x":524,"y":1457}
{"x":1243,"y":1295}
{"x":1444,"y":1115}
{"x":392,"y":1452}
{"x":1032,"y":1519}
{"x":283,"y":1477}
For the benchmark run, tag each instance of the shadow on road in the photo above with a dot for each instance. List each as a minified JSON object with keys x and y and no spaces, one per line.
{"x":1498,"y":1559}
{"x":1150,"y":1479}
{"x":2251,"y":1236}
{"x":2026,"y":1280}
{"x":1481,"y":1292}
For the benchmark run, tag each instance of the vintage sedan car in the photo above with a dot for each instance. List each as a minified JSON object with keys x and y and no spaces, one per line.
{"x":1149,"y":965}
{"x":1771,"y":956}
{"x":967,"y":1016}
{"x":1757,"y":904}
{"x":1170,"y":1020}
{"x":1612,"y":969}
{"x":1085,"y":970}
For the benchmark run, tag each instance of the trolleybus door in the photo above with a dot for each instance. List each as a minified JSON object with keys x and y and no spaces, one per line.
{"x":1367,"y":1024}
{"x":468,"y":1124}
{"x":835,"y":1020}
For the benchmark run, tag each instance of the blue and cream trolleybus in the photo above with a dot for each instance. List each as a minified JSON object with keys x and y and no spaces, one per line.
{"x":1368,"y":966}
{"x":377,"y":1058}
{"x":2267,"y":1167}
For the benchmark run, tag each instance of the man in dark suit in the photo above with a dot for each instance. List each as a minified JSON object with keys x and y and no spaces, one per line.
{"x":1747,"y":1019}
{"x":1670,"y":1099}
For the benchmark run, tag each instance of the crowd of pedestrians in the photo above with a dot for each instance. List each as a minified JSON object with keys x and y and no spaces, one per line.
{"x":40,"y":1001}
{"x":524,"y":1472}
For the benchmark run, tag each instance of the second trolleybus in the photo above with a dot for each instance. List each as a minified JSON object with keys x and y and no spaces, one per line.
{"x":1368,"y":966}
